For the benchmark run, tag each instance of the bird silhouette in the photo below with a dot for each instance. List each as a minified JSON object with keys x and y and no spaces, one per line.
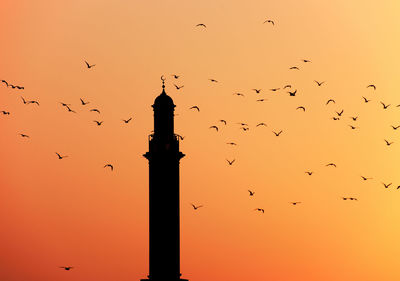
{"x":95,"y":110}
{"x":23,"y":100}
{"x":386,"y":185}
{"x":175,"y":76}
{"x":340,"y":113}
{"x":69,"y":109}
{"x":269,"y":21}
{"x":257,"y":90}
{"x":395,"y":127}
{"x":366,"y":100}
{"x":372,"y":86}
{"x":243,"y":124}
{"x":331,"y":164}
{"x":89,"y":65}
{"x":353,"y":127}
{"x":384,"y":105}
{"x":354,"y":118}
{"x":244,"y":128}
{"x":65,"y":104}
{"x":309,"y":173}
{"x":61,"y":157}
{"x":66,"y":267}
{"x":294,"y":203}
{"x":261,"y":124}
{"x":223,"y":121}
{"x":83,"y":102}
{"x":180,"y":137}
{"x":319,"y":83}
{"x":301,"y":107}
{"x":33,"y":101}
{"x":274,"y":89}
{"x":306,"y":60}
{"x":292,"y":94}
{"x":5,"y":82}
{"x":259,"y":209}
{"x":388,"y":143}
{"x":261,"y":100}
{"x":214,"y":127}
{"x":231,"y":143}
{"x":127,"y":121}
{"x":294,"y":67}
{"x":230,"y":162}
{"x":110,"y":166}
{"x":178,"y":87}
{"x":195,"y":107}
{"x":5,"y":112}
{"x":98,"y":122}
{"x":196,"y":207}
{"x":251,"y":193}
{"x":330,"y":100}
{"x":365,"y":178}
{"x":24,"y":136}
{"x":277,"y":134}
{"x":213,"y":80}
{"x":335,"y":118}
{"x":238,"y":94}
{"x":287,"y":86}
{"x":201,"y":24}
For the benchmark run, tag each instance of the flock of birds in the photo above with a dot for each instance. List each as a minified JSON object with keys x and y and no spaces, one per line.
{"x":291,"y":91}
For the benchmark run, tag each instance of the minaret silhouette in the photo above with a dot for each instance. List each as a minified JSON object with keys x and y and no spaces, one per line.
{"x":164,"y":156}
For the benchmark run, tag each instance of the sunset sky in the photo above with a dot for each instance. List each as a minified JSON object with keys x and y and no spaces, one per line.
{"x":74,"y":212}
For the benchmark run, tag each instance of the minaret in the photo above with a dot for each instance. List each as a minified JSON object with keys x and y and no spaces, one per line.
{"x":164,"y":156}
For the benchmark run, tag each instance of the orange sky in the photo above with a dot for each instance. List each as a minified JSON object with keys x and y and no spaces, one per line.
{"x":74,"y":212}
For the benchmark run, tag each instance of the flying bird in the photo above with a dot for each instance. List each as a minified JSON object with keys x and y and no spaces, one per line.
{"x":395,"y":128}
{"x":294,"y":67}
{"x":292,"y":94}
{"x":365,"y":178}
{"x":89,"y":65}
{"x":259,"y":209}
{"x":294,"y":203}
{"x":23,"y":100}
{"x":213,"y":80}
{"x":261,"y":100}
{"x":306,"y":60}
{"x":309,"y":173}
{"x":301,"y":107}
{"x":67,"y":267}
{"x":366,"y":100}
{"x":214,"y":127}
{"x":386,"y":185}
{"x":372,"y":86}
{"x":251,"y":193}
{"x":244,"y":128}
{"x":127,"y":121}
{"x":257,"y":90}
{"x":65,"y":104}
{"x":180,"y":137}
{"x":223,"y":121}
{"x":335,"y":118}
{"x":5,"y":112}
{"x":231,"y":143}
{"x":175,"y":76}
{"x":83,"y":102}
{"x":178,"y":87}
{"x":388,"y":143}
{"x":238,"y":94}
{"x":274,"y":89}
{"x":230,"y":162}
{"x":109,"y":165}
{"x":319,"y":83}
{"x":384,"y":105}
{"x":195,"y":107}
{"x":24,"y":136}
{"x":331,"y":164}
{"x":69,"y":109}
{"x":269,"y":21}
{"x":33,"y":101}
{"x":95,"y":110}
{"x":353,"y":127}
{"x":277,"y":134}
{"x":196,"y":207}
{"x":261,"y":124}
{"x":340,"y":113}
{"x":330,"y":100}
{"x":243,"y":124}
{"x":354,"y":118}
{"x":5,"y":82}
{"x":61,"y":157}
{"x":287,"y":86}
{"x":201,"y":24}
{"x":98,"y":122}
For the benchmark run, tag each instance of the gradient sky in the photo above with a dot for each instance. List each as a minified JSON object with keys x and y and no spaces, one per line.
{"x":74,"y":212}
